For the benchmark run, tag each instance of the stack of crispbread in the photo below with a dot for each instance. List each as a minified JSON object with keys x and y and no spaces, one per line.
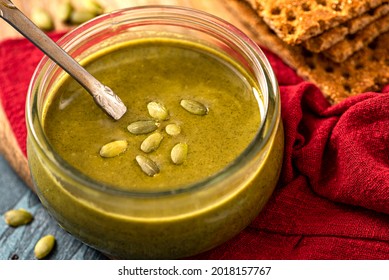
{"x":341,"y":45}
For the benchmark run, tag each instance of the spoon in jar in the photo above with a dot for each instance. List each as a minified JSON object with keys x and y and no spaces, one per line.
{"x":103,"y":95}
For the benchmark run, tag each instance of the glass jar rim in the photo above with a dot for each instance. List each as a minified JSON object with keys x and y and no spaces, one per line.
{"x":156,"y":12}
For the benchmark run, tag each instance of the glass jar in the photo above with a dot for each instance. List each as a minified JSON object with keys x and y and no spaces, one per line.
{"x":174,"y":223}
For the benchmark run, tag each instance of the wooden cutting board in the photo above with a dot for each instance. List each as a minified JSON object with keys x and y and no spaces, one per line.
{"x":216,"y":7}
{"x":8,"y":144}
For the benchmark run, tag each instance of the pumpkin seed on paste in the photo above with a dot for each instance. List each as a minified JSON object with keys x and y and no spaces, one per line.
{"x":113,"y":149}
{"x":158,"y":111}
{"x":179,"y":153}
{"x":147,"y":165}
{"x":173,"y":129}
{"x":142,"y":127}
{"x":151,"y":143}
{"x":194,"y":107}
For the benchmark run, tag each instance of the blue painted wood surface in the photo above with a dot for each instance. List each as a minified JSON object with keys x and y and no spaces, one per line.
{"x":18,"y":243}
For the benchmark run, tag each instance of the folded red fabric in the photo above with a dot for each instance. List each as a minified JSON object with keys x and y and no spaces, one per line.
{"x":332,"y":201}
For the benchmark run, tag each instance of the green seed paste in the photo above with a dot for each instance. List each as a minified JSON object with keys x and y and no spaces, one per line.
{"x":164,"y":71}
{"x":157,"y":226}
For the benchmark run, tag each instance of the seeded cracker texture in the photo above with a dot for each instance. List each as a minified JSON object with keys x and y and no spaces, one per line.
{"x":295,"y":21}
{"x":344,"y":49}
{"x":334,"y":35}
{"x":367,"y":70}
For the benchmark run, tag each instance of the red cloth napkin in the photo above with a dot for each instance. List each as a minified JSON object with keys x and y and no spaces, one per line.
{"x":332,"y":201}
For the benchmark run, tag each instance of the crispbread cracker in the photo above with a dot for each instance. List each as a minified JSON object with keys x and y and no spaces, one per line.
{"x":295,"y":21}
{"x":344,"y":49}
{"x":367,"y":70}
{"x":334,"y":35}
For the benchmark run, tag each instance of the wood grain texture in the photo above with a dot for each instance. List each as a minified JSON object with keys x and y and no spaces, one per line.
{"x":215,"y":7}
{"x":9,"y":148}
{"x":18,"y":243}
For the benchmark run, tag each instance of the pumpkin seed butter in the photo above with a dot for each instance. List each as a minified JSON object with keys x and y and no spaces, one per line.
{"x":163,"y":82}
{"x":191,"y":112}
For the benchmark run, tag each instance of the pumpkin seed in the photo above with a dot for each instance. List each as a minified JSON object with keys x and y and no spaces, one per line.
{"x":151,"y":143}
{"x":19,"y":217}
{"x":142,"y":127}
{"x":80,"y":16}
{"x":92,"y":7}
{"x":114,"y":148}
{"x":64,"y":11}
{"x":179,"y":153}
{"x":173,"y":129}
{"x":158,"y":111}
{"x":194,"y":107}
{"x":147,"y":165}
{"x":44,"y":246}
{"x":42,"y":19}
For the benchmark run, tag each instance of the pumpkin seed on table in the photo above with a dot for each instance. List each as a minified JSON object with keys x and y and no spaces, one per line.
{"x":147,"y":165}
{"x":44,"y":246}
{"x":142,"y":127}
{"x":194,"y":107}
{"x":42,"y":19}
{"x":19,"y":217}
{"x":173,"y":129}
{"x":64,"y":11}
{"x":151,"y":143}
{"x":179,"y":153}
{"x":158,"y":111}
{"x":80,"y":16}
{"x":92,"y":7}
{"x":113,"y":149}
